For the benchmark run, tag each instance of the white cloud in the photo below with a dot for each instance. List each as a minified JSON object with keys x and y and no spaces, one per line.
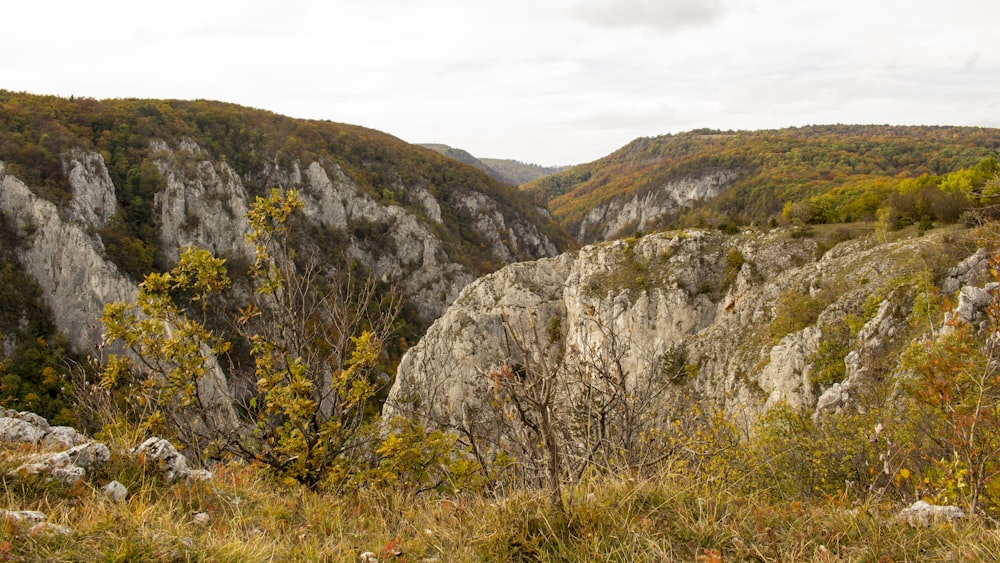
{"x":662,"y":15}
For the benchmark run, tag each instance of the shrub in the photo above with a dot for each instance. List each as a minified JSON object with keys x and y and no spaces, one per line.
{"x":793,"y":312}
{"x":957,"y":377}
{"x":315,"y":340}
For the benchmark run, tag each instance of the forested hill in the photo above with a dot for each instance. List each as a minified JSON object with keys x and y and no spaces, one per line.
{"x":36,"y":132}
{"x":748,"y":176}
{"x":506,"y":170}
{"x":95,"y":195}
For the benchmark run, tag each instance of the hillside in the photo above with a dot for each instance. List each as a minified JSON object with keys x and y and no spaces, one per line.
{"x":97,"y":194}
{"x":36,"y":132}
{"x":757,"y":396}
{"x":747,"y":176}
{"x":466,"y":158}
{"x":300,"y":340}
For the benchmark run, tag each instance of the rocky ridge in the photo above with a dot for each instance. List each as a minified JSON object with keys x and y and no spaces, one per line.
{"x":203,"y":202}
{"x":748,"y":314}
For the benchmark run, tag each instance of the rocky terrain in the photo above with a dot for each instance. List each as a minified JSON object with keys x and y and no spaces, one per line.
{"x":759,"y":318}
{"x":707,"y":178}
{"x":628,"y":213}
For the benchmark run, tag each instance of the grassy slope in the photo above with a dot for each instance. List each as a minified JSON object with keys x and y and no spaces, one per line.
{"x":663,"y":518}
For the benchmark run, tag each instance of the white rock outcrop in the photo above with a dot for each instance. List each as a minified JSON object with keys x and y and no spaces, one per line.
{"x":67,"y":466}
{"x":29,"y":427}
{"x":77,"y":282}
{"x":202,"y":204}
{"x":67,"y":263}
{"x":94,"y":202}
{"x":638,"y":212}
{"x":164,"y":456}
{"x":708,"y":298}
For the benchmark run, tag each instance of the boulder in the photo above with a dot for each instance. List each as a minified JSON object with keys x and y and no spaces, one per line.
{"x":115,"y":491}
{"x":17,"y":430}
{"x":63,"y":437}
{"x":922,"y":514}
{"x":167,"y":459}
{"x":67,"y":466}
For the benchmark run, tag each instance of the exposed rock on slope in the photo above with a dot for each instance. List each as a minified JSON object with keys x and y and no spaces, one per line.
{"x":758,"y":318}
{"x":747,"y":176}
{"x":136,"y":196}
{"x":77,"y":280}
{"x":152,"y":176}
{"x":625,"y":214}
{"x":67,"y":262}
{"x":202,"y":203}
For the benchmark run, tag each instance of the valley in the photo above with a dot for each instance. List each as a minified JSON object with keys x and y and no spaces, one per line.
{"x":712,"y":345}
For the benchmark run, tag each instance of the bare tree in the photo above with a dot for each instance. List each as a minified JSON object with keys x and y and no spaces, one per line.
{"x":525,"y":391}
{"x":563,"y":410}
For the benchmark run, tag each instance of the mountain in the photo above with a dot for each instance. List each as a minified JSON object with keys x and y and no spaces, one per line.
{"x":747,"y":176}
{"x":510,"y":172}
{"x":98,"y":193}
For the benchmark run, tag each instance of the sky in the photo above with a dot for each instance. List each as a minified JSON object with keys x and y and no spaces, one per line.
{"x":550,"y":82}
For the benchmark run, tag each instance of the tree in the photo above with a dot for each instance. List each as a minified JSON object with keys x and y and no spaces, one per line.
{"x":169,"y":365}
{"x":525,"y":391}
{"x":566,"y":409}
{"x":316,"y":339}
{"x":314,"y":335}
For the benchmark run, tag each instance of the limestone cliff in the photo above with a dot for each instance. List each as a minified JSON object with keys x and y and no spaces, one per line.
{"x":202,"y":201}
{"x":623,"y":215}
{"x":756,"y":318}
{"x":77,"y":280}
{"x":66,"y":262}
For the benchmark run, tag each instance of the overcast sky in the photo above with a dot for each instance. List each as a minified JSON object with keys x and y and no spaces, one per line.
{"x":543,"y":81}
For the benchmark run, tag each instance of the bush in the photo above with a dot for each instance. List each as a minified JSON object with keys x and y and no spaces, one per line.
{"x":793,"y":312}
{"x":315,"y":338}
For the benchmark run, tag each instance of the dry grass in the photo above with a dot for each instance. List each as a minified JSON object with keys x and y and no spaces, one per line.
{"x":670,"y":517}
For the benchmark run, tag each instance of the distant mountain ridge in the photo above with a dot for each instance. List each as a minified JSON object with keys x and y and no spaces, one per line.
{"x":508,"y":171}
{"x":746,"y":176}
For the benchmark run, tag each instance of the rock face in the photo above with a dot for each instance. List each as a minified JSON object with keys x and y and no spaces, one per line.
{"x":757,"y":318}
{"x":66,"y":262}
{"x":77,"y":281}
{"x":623,"y":215}
{"x":202,"y":203}
{"x":410,"y":255}
{"x":94,"y":202}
